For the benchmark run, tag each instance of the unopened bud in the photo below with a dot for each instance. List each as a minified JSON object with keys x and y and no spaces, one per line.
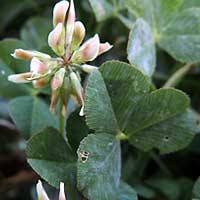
{"x":65,"y":95}
{"x":56,"y":39}
{"x":70,"y":26}
{"x":28,"y":55}
{"x":78,"y":36}
{"x":42,"y":195}
{"x":77,"y":90}
{"x":59,"y":12}
{"x":104,"y":47}
{"x":20,"y":78}
{"x":62,"y":192}
{"x":88,"y":68}
{"x":88,"y":51}
{"x":38,"y":67}
{"x":58,"y":79}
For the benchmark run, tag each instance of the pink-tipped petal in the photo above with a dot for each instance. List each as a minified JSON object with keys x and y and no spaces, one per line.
{"x":38,"y":67}
{"x":88,"y":51}
{"x":28,"y":55}
{"x":20,"y":78}
{"x":104,"y":47}
{"x":42,"y":195}
{"x":56,"y":39}
{"x":70,"y":26}
{"x":62,"y":192}
{"x":78,"y":36}
{"x":40,"y":83}
{"x":59,"y":12}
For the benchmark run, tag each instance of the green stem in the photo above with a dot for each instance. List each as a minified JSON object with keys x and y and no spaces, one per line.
{"x":61,"y":121}
{"x":178,"y":75}
{"x":160,"y":163}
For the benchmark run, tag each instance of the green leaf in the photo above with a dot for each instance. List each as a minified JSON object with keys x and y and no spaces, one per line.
{"x":182,"y":36}
{"x":7,"y":47}
{"x":141,"y":49}
{"x":35,"y":32}
{"x":76,"y":130}
{"x":168,"y":136}
{"x":31,"y":115}
{"x":125,"y":192}
{"x":122,"y":104}
{"x":196,"y":189}
{"x":99,"y":174}
{"x":122,"y":80}
{"x":55,"y":165}
{"x":9,"y":65}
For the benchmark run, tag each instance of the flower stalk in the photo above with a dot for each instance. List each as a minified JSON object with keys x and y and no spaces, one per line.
{"x":178,"y":75}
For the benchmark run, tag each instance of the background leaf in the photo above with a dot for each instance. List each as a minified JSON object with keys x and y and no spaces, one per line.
{"x":11,"y":9}
{"x":104,"y":9}
{"x":141,"y":49}
{"x":35,"y":32}
{"x":9,"y":65}
{"x":196,"y":189}
{"x":181,"y":37}
{"x":99,"y":177}
{"x":175,"y":27}
{"x":31,"y":115}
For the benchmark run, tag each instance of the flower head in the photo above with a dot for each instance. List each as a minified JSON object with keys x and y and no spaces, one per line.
{"x":63,"y":71}
{"x":42,"y":195}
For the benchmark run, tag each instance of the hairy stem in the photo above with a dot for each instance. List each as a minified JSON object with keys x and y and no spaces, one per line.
{"x":178,"y":75}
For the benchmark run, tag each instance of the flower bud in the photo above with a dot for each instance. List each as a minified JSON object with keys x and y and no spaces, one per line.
{"x":58,"y":79}
{"x":88,"y":51}
{"x":20,"y":78}
{"x":42,"y":195}
{"x":88,"y":68}
{"x":28,"y":55}
{"x":77,"y":90}
{"x":56,"y":39}
{"x":59,"y":12}
{"x":62,"y":192}
{"x":104,"y":47}
{"x":78,"y":36}
{"x":38,"y":67}
{"x":70,"y":26}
